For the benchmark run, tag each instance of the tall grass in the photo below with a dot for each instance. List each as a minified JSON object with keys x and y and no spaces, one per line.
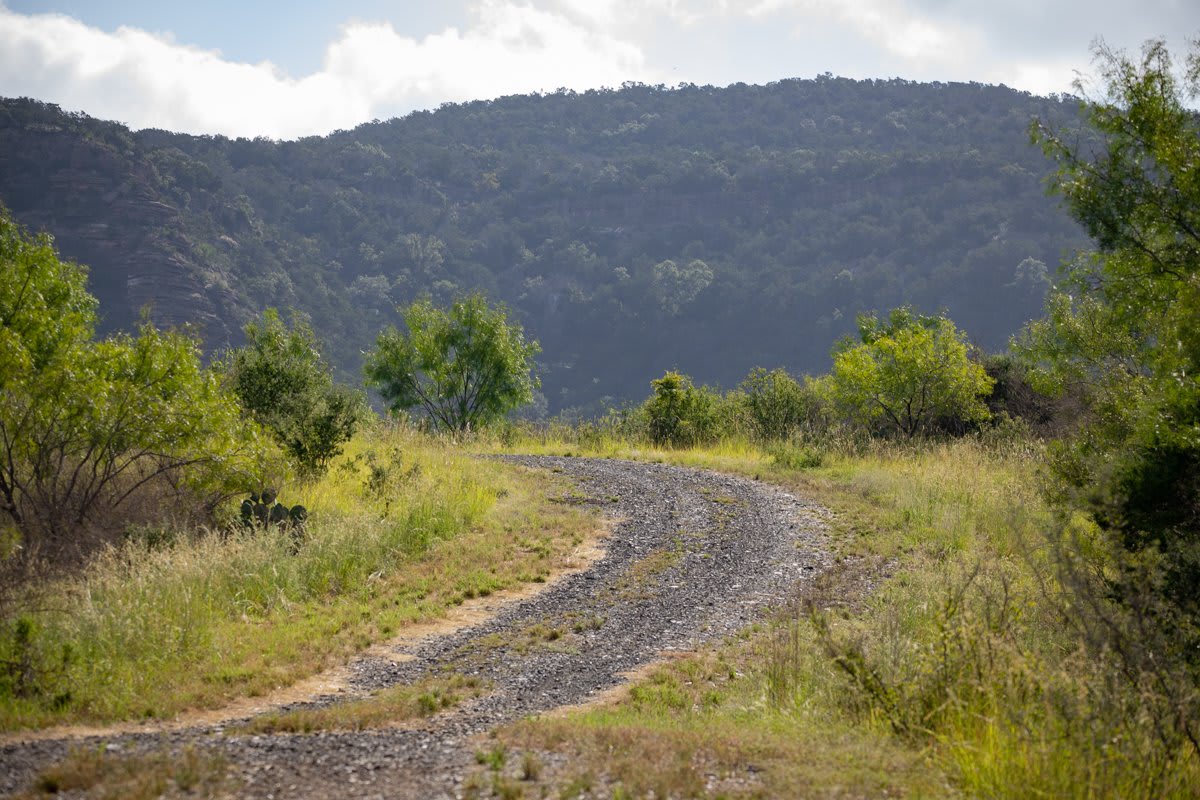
{"x":964,"y":649}
{"x":401,"y":528}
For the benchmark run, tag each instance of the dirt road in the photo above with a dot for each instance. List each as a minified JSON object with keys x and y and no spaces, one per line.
{"x":692,"y":557}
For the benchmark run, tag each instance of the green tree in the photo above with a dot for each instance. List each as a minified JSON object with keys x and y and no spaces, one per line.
{"x":677,"y":286}
{"x":908,"y":373}
{"x":283,"y":382}
{"x":465,"y":366}
{"x":85,"y":425}
{"x":1123,"y":331}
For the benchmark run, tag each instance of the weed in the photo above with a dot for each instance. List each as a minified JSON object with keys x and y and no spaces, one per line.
{"x":792,"y":456}
{"x":531,"y":767}
{"x":505,"y":788}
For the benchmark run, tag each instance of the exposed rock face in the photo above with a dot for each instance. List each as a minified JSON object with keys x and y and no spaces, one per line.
{"x":106,"y":211}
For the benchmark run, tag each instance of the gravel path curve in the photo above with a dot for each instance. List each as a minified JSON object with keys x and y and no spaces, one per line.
{"x":693,"y":557}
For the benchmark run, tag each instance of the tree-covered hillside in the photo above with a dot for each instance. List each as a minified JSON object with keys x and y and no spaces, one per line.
{"x":630,"y":230}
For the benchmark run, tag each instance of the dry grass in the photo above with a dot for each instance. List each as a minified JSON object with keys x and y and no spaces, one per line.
{"x":700,"y":727}
{"x":104,"y":775}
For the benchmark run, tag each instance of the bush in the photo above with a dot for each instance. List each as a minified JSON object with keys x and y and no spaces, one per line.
{"x":778,"y":405}
{"x":678,"y":414}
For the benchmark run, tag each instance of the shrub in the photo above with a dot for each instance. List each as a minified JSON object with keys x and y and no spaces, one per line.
{"x":778,"y":405}
{"x":907,"y":374}
{"x":680,"y":415}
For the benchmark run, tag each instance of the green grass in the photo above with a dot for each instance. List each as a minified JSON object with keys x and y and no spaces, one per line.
{"x":401,"y":529}
{"x":933,"y":660}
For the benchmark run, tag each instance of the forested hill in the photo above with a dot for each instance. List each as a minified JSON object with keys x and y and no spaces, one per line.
{"x":630,"y":230}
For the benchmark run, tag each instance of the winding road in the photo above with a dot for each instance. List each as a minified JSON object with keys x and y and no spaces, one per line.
{"x":692,"y":557}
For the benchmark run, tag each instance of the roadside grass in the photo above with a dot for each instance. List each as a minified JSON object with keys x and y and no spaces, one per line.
{"x":402,"y":528}
{"x":117,"y":776}
{"x":702,"y":727}
{"x":935,"y":659}
{"x":388,"y":707}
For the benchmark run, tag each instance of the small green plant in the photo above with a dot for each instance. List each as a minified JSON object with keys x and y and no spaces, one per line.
{"x":493,"y":759}
{"x":386,"y":475}
{"x":506,"y":789}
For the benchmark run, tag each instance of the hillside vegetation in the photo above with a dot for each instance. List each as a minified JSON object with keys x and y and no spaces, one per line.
{"x":730,"y":227}
{"x":1011,"y":609}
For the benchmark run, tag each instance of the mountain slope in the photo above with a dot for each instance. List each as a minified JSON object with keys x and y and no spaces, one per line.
{"x":630,"y":230}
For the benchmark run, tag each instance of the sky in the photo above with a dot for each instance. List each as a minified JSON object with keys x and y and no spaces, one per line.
{"x":291,"y":69}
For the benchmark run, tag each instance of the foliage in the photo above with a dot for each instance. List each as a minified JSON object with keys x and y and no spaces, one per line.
{"x":283,"y":382}
{"x":908,"y":373}
{"x":1014,"y":396}
{"x":465,"y":367}
{"x":680,"y":415}
{"x":1124,"y":332}
{"x":778,"y":404}
{"x":807,"y":201}
{"x":87,"y":426}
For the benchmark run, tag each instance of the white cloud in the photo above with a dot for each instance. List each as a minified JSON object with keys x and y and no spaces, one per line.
{"x":1049,"y":76}
{"x":514,"y":46}
{"x":149,"y":80}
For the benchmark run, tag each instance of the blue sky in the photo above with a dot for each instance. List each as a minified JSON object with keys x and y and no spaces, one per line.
{"x":291,"y":69}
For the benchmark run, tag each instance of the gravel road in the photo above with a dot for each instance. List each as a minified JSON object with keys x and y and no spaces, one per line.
{"x":693,"y":557}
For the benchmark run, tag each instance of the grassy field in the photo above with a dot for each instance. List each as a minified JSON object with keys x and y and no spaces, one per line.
{"x":933,"y":661}
{"x":402,"y":528}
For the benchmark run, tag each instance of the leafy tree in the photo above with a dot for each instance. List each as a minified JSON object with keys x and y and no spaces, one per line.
{"x":908,"y":373}
{"x":282,"y":382}
{"x":1124,"y":331}
{"x":465,"y":366}
{"x":677,"y":286}
{"x":85,"y":425}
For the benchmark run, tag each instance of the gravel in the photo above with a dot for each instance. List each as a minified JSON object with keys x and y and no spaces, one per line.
{"x":693,"y":557}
